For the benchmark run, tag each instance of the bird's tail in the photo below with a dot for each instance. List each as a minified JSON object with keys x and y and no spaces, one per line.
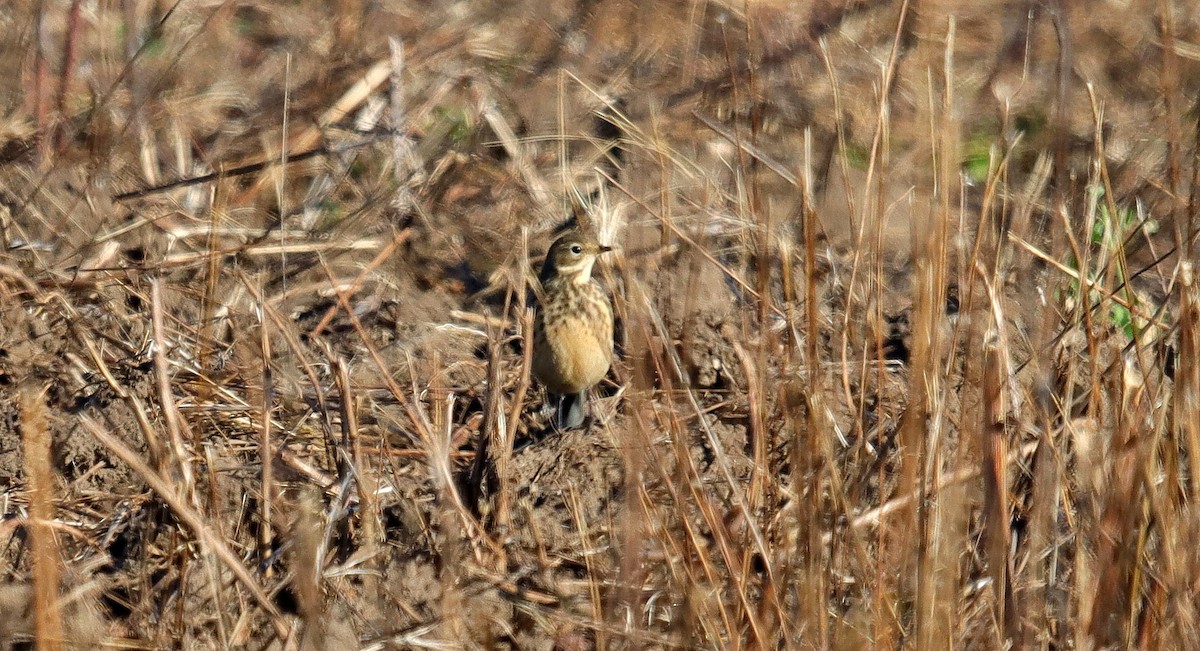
{"x":571,"y":408}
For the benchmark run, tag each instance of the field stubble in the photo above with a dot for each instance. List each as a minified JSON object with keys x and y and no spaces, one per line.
{"x":907,"y":325}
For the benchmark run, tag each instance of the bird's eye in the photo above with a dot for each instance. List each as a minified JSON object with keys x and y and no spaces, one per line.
{"x":576,"y":249}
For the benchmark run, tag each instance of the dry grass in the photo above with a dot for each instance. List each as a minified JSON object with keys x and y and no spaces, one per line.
{"x":908,"y":313}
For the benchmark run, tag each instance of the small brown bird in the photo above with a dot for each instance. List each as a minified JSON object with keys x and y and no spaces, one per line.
{"x":573,"y":332}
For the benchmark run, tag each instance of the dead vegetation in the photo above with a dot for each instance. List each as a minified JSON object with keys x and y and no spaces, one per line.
{"x":906,"y":299}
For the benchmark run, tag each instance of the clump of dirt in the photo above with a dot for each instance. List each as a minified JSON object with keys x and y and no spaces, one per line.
{"x":40,"y":348}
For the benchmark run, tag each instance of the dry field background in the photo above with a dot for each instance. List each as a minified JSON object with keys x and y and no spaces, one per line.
{"x":908,"y":325}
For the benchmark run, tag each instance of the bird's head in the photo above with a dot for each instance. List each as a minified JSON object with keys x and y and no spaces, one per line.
{"x":572,"y":256}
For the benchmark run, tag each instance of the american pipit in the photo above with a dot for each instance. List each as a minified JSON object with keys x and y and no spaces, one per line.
{"x":573,"y":332}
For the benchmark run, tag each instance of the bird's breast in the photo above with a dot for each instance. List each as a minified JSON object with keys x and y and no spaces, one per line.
{"x":573,"y":342}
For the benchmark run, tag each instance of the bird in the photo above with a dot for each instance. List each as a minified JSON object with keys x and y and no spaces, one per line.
{"x":573,"y":327}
